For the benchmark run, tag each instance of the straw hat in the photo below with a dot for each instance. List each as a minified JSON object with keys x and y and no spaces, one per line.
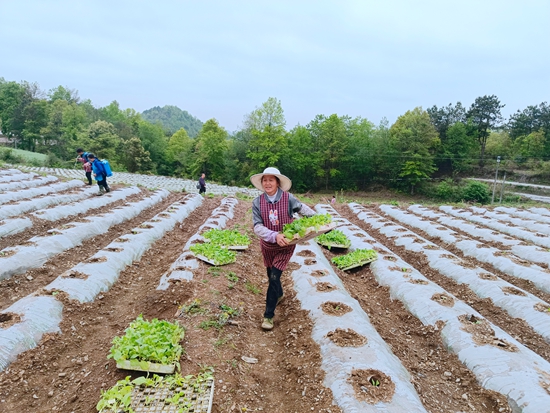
{"x":256,"y":180}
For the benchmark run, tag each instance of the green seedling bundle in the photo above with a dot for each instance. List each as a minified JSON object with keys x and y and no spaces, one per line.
{"x":334,"y":238}
{"x":152,"y":394}
{"x":226,"y":238}
{"x":355,"y":259}
{"x":300,"y":229}
{"x":213,"y":253}
{"x":146,"y":342}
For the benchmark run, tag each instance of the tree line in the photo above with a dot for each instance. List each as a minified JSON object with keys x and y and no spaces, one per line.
{"x":331,"y":152}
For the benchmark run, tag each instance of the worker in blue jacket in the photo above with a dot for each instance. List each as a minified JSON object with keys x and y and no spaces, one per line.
{"x":100,"y":174}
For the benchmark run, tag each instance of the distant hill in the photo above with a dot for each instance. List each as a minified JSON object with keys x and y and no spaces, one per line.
{"x":173,"y":119}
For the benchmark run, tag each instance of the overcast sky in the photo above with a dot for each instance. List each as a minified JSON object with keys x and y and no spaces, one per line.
{"x":222,"y":59}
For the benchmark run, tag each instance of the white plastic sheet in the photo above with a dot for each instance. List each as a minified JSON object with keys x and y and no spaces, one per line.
{"x":518,"y":375}
{"x":41,"y":190}
{"x":519,"y":305}
{"x":17,"y":185}
{"x":64,"y":211}
{"x":517,"y":247}
{"x":45,"y":247}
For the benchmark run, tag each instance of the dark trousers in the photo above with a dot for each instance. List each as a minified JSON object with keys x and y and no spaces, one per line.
{"x":89,"y":177}
{"x":103,"y":183}
{"x":202,"y":190}
{"x":274,"y":291}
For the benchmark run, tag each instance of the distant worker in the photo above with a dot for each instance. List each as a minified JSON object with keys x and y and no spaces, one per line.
{"x":100,"y":174}
{"x":333,"y":200}
{"x":202,"y":184}
{"x":86,"y":165}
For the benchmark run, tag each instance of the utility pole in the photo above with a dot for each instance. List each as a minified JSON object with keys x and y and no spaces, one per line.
{"x":495,"y":182}
{"x":502,"y":187}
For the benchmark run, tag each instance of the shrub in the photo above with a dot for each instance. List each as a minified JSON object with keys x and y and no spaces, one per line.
{"x":9,"y":156}
{"x":447,"y":190}
{"x":476,"y":192}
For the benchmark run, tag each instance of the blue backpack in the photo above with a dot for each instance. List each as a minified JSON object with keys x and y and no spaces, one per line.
{"x":107,"y":168}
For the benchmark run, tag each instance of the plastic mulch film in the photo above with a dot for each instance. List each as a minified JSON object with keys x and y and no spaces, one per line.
{"x":182,"y":268}
{"x":23,"y":207}
{"x":103,"y":268}
{"x":43,"y":314}
{"x":337,"y":361}
{"x":39,"y":315}
{"x":506,"y":263}
{"x":523,"y":222}
{"x":64,"y":211}
{"x":515,"y":301}
{"x":525,"y":214}
{"x":41,"y":190}
{"x":154,"y":182}
{"x":17,"y":185}
{"x":516,"y":374}
{"x":517,"y":247}
{"x":21,"y":258}
{"x":10,"y":171}
{"x":17,"y":177}
{"x":517,"y":232}
{"x":14,"y":226}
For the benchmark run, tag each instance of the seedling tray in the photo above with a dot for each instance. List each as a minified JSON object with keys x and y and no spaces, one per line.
{"x":312,"y":233}
{"x":146,"y":366}
{"x":152,"y":399}
{"x":231,"y":247}
{"x":360,"y":264}
{"x":209,"y":261}
{"x":333,"y":244}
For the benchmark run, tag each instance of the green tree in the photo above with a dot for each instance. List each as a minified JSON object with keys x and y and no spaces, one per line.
{"x":330,"y":142}
{"x":64,"y":93}
{"x":101,"y":139}
{"x":180,"y":152}
{"x":458,"y":148}
{"x":485,"y":115}
{"x":136,"y":157}
{"x":415,"y":139}
{"x":211,"y":144}
{"x":299,"y":161}
{"x":265,"y":134}
{"x":35,"y":116}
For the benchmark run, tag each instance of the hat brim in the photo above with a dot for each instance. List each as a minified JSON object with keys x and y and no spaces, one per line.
{"x":256,"y":180}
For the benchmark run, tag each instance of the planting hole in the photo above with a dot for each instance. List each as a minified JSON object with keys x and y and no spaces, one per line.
{"x":74,"y":274}
{"x":372,"y":386}
{"x":9,"y":319}
{"x":310,"y":261}
{"x":96,"y":259}
{"x":482,"y":333}
{"x":431,"y":247}
{"x":319,"y":273}
{"x":359,"y":235}
{"x":146,"y":226}
{"x":448,"y":256}
{"x":122,"y":240}
{"x":542,"y":307}
{"x":7,"y":253}
{"x":488,"y":276}
{"x":513,"y":291}
{"x":306,"y":253}
{"x":389,"y":258}
{"x":443,"y":299}
{"x":334,"y":308}
{"x":113,"y":249}
{"x":325,"y":287}
{"x":418,"y":281}
{"x":346,"y":338}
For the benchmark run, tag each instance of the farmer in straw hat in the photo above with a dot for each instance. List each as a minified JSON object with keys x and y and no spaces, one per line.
{"x":271,"y":211}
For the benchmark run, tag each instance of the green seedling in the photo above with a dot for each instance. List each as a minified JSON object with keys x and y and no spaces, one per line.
{"x":154,"y":341}
{"x":193,"y":308}
{"x":374,"y":382}
{"x":226,"y":238}
{"x":359,"y":256}
{"x":215,"y":271}
{"x":231,"y":276}
{"x":214,"y":253}
{"x":252,"y":288}
{"x":300,"y":226}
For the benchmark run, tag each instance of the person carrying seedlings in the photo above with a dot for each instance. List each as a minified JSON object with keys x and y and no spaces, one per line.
{"x":270,"y":212}
{"x":100,"y":174}
{"x":83,"y":157}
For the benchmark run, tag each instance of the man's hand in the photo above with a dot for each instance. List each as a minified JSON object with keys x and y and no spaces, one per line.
{"x":281,"y":240}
